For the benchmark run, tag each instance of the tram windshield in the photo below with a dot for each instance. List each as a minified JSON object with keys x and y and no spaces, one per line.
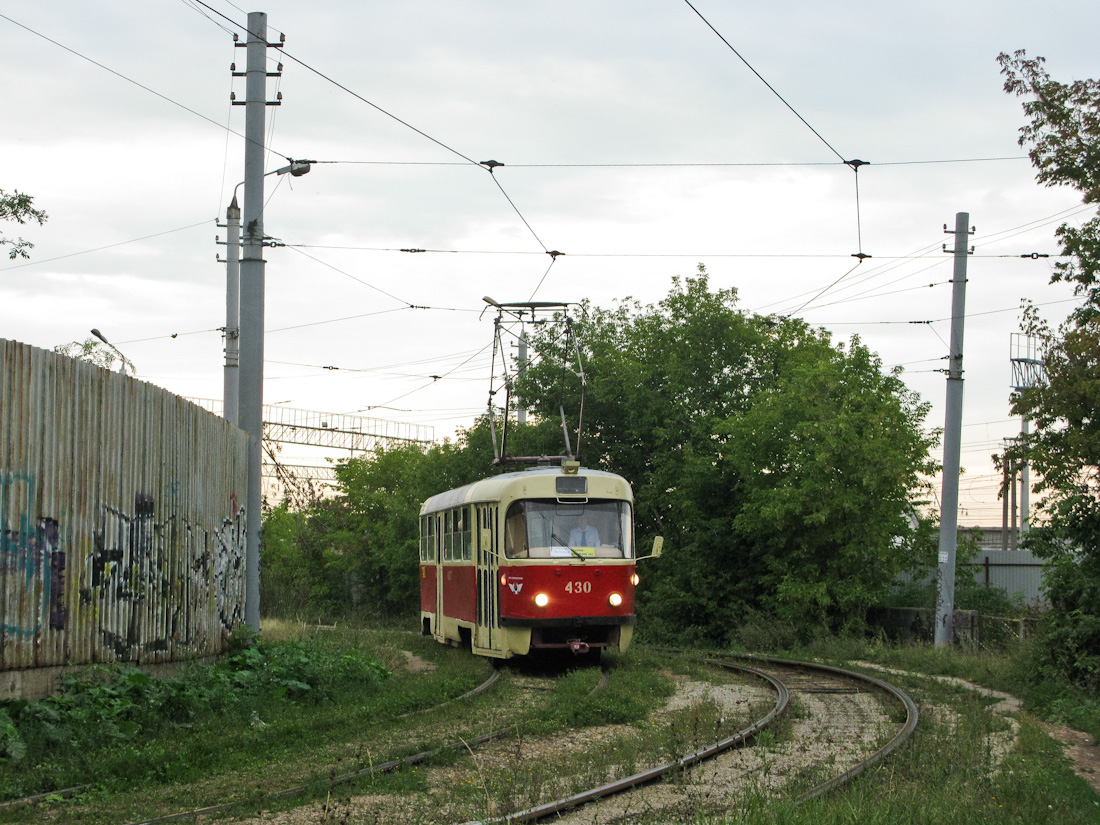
{"x":549,"y":529}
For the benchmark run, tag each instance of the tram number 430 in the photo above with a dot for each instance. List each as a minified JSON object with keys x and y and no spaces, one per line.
{"x":578,"y":587}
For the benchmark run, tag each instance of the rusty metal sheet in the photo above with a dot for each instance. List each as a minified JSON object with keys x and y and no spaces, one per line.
{"x":121,"y":517}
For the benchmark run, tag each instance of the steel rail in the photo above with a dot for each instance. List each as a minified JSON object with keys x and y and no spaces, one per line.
{"x":645,"y":777}
{"x":39,"y":798}
{"x":68,"y":793}
{"x":467,"y":695}
{"x":605,"y":677}
{"x":383,"y":767}
{"x":912,"y":716}
{"x":653,"y":774}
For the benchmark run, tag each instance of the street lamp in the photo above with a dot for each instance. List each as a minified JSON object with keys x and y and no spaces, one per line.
{"x":231,"y":371}
{"x":122,"y":358}
{"x":295,"y":168}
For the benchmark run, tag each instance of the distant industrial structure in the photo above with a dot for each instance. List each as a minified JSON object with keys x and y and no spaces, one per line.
{"x":332,"y":431}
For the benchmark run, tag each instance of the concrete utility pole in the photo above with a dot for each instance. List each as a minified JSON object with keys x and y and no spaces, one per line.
{"x":252,"y":302}
{"x":230,"y":387}
{"x":521,"y":407}
{"x":952,"y":442}
{"x":1025,"y":479}
{"x":1009,"y":478}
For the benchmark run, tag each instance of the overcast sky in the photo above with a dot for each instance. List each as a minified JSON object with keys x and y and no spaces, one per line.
{"x":634,"y":140}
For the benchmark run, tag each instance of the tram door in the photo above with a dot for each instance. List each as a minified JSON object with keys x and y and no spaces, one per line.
{"x":488,"y":601}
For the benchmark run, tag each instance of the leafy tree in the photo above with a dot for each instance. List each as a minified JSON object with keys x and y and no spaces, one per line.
{"x":779,"y":466}
{"x":1063,"y":139}
{"x":361,"y":550}
{"x":98,"y":353}
{"x":18,"y":207}
{"x":382,"y":494}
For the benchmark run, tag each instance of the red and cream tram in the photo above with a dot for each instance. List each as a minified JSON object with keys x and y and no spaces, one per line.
{"x":528,"y":561}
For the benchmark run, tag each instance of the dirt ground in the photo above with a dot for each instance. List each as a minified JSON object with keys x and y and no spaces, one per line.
{"x":1081,"y":750}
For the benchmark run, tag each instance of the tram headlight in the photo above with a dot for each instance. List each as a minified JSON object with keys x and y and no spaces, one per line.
{"x":503,"y":579}
{"x":615,"y":599}
{"x":541,"y":599}
{"x":634,"y":579}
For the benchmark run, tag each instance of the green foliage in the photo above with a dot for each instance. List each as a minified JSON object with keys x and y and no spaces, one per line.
{"x":758,"y":633}
{"x":359,"y":553}
{"x":104,"y":707}
{"x":11,"y":743}
{"x":97,"y":352}
{"x":635,"y":691}
{"x":778,"y":466}
{"x":361,"y":549}
{"x":306,"y":557}
{"x":1063,"y":137}
{"x":18,"y":207}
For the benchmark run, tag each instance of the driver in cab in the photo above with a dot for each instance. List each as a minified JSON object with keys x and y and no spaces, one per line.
{"x":584,"y":535}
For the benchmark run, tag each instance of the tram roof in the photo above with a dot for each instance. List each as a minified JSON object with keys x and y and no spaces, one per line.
{"x":495,"y":487}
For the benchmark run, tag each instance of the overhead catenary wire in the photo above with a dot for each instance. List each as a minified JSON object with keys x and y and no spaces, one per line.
{"x":935,"y":249}
{"x":773,"y":90}
{"x":948,"y":318}
{"x":674,"y":164}
{"x":854,"y":164}
{"x":696,"y":255}
{"x":425,"y":386}
{"x":826,"y":289}
{"x":846,"y":283}
{"x":121,"y":76}
{"x":39,"y":262}
{"x":346,"y":274}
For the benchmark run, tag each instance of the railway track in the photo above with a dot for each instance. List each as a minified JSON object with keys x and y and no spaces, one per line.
{"x":837,"y":710}
{"x":335,"y":778}
{"x":833,"y":727}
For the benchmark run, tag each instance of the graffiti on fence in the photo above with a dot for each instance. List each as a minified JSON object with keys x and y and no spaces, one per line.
{"x":31,"y":558}
{"x":176,"y":564}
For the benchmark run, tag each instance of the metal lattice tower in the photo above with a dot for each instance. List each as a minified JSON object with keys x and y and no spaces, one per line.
{"x":1028,"y":362}
{"x":336,"y":430}
{"x":357,"y":434}
{"x":1028,"y":370}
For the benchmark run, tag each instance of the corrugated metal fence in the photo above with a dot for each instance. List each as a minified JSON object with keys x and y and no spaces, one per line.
{"x":1017,"y":572}
{"x":121,"y":517}
{"x":1013,"y":571}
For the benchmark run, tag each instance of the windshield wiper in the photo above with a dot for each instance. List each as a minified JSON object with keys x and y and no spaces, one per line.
{"x":573,"y":550}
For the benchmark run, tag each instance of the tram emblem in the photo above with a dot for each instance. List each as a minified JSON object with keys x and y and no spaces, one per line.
{"x":515,"y":587}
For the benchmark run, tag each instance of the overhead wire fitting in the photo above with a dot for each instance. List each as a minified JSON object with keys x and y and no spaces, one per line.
{"x":853,"y":164}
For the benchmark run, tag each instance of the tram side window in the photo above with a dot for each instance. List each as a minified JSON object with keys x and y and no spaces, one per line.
{"x":457,"y":539}
{"x":448,"y":535}
{"x":462,"y":528}
{"x":427,"y":538}
{"x":515,"y":532}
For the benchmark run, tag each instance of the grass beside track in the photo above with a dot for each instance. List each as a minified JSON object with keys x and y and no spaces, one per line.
{"x":963,"y":764}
